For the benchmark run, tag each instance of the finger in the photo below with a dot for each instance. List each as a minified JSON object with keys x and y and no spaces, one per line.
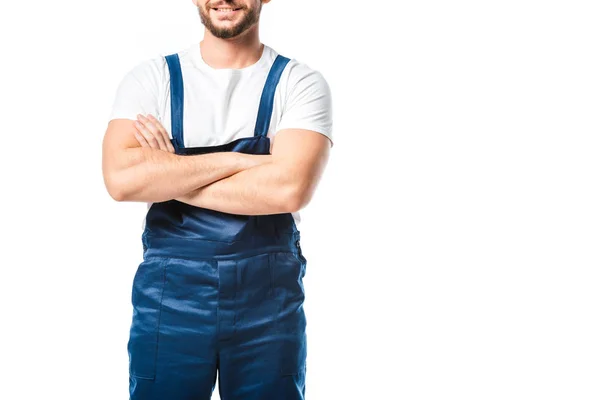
{"x":141,"y":139}
{"x":155,"y":128}
{"x":146,"y":135}
{"x":153,"y":131}
{"x":150,"y":138}
{"x":163,"y":131}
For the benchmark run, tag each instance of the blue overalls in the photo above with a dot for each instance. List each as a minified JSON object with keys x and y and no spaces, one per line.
{"x":217,"y":291}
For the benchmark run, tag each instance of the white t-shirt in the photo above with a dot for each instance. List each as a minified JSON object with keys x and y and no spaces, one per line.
{"x":221,"y":105}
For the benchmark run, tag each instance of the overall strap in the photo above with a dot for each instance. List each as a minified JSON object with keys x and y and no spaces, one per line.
{"x":176,"y":99}
{"x":265,"y":109}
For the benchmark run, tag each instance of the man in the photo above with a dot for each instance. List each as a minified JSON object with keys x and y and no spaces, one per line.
{"x":226,"y":142}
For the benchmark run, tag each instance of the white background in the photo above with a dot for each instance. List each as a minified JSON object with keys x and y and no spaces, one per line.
{"x":453,"y":244}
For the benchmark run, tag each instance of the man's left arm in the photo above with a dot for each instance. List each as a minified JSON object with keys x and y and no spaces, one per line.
{"x":285,"y":184}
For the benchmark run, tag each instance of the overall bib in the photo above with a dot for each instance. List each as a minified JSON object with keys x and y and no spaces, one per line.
{"x":218,"y":291}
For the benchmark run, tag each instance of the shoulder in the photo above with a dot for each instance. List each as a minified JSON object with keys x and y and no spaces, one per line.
{"x":156,"y":68}
{"x":140,"y":90}
{"x":153,"y":72}
{"x":186,"y":57}
{"x":299,"y":70}
{"x":300,"y":76}
{"x":149,"y":72}
{"x":298,"y":73}
{"x":306,"y":99}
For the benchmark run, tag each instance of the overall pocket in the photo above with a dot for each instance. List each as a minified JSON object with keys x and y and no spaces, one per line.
{"x":146,"y":298}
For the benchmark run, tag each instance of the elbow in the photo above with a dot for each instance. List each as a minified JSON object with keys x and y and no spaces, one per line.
{"x":295,"y":199}
{"x":117,"y":195}
{"x":116,"y":188}
{"x":119,"y":175}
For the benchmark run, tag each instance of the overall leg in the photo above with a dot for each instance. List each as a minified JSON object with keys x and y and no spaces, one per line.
{"x":264,"y":358}
{"x":172,"y":339}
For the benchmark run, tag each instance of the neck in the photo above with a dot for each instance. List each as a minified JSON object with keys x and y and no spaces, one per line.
{"x":238,"y":52}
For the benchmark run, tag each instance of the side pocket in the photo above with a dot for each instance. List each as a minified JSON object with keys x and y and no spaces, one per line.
{"x":300,"y":257}
{"x":294,"y":354}
{"x":291,"y":323}
{"x":146,"y":298}
{"x":144,"y":244}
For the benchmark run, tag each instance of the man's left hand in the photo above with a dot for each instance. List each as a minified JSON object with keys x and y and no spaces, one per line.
{"x":151,"y":133}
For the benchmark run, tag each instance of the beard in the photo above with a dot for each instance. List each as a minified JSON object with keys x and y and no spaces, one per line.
{"x":251,"y":16}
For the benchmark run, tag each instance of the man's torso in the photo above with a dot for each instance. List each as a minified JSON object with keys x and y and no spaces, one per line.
{"x":221,"y":105}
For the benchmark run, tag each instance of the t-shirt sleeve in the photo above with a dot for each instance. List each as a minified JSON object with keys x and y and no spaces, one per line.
{"x":137,"y":93}
{"x":308,"y":104}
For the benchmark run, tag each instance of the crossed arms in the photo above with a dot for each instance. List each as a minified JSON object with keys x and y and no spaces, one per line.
{"x":230,"y":182}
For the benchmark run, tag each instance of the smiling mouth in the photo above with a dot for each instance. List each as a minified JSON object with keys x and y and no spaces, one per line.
{"x":226,"y":10}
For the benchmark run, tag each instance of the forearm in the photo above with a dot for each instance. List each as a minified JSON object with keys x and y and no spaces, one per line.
{"x":270,"y":188}
{"x":153,"y":175}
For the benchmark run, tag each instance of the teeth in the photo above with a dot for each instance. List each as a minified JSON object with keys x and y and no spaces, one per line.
{"x":225,"y":9}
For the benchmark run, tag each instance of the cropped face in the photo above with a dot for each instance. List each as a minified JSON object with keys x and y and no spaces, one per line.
{"x":228,"y":18}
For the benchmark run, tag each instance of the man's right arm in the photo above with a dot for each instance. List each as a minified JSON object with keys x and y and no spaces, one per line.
{"x":135,"y":173}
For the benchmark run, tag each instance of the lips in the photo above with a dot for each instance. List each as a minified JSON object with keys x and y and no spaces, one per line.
{"x":226,"y":9}
{"x":226,"y":14}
